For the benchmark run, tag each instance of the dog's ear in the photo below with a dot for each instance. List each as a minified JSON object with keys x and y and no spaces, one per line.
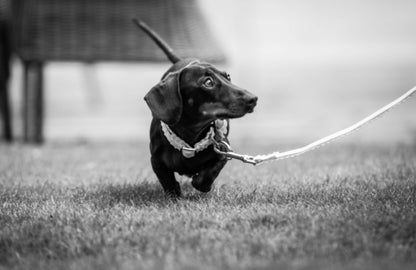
{"x":165,"y":101}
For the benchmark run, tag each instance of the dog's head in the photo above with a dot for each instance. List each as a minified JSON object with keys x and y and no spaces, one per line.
{"x":198,"y":92}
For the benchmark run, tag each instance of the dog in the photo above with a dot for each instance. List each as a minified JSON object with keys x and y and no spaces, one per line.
{"x":191,"y":106}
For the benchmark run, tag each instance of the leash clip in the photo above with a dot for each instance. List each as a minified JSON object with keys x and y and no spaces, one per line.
{"x":230,"y":154}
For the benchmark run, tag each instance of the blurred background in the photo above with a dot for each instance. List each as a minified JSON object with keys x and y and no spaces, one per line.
{"x":316,"y":66}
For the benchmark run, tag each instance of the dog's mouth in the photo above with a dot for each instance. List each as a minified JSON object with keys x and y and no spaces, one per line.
{"x":228,"y":113}
{"x":240,"y":109}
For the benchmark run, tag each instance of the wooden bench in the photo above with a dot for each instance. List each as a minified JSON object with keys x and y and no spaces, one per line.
{"x":99,"y":30}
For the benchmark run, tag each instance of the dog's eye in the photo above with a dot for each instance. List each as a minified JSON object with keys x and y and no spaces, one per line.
{"x":209,"y":83}
{"x":228,"y":76}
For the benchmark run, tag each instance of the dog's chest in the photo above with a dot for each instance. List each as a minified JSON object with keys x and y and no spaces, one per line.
{"x":191,"y":166}
{"x":174,"y":160}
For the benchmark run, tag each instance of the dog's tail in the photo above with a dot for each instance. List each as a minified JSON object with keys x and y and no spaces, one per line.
{"x":158,"y":40}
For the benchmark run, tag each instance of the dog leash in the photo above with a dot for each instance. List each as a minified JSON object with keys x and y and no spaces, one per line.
{"x":224,"y":148}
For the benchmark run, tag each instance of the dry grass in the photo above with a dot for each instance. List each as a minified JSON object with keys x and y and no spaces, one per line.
{"x":99,"y":206}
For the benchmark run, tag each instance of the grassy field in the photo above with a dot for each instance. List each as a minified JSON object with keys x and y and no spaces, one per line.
{"x":98,"y":206}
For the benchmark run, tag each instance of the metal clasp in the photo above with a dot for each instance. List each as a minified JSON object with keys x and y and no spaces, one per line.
{"x":229,"y":153}
{"x":188,"y":152}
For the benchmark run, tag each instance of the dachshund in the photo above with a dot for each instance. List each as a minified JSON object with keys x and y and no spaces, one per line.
{"x":191,"y":106}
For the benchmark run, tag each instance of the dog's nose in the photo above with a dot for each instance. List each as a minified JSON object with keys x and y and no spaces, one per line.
{"x":252,"y":101}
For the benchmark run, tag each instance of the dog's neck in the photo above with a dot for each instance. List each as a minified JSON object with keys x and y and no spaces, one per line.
{"x":191,"y":132}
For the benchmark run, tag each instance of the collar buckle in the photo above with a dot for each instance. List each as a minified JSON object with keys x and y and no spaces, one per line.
{"x":188,"y":152}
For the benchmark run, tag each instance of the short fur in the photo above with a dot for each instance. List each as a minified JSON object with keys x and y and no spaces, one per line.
{"x":190,"y":96}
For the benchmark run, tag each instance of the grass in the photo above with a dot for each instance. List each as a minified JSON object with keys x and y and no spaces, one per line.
{"x":99,"y":206}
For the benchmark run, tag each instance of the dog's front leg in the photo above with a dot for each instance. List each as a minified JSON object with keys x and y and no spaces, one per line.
{"x":166,"y":178}
{"x":204,"y":179}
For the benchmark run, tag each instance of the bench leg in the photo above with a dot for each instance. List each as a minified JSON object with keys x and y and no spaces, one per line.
{"x":33,"y":102}
{"x":5,"y":110}
{"x":4,"y":76}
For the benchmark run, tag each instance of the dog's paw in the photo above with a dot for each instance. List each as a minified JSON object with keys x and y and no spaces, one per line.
{"x":200,"y":185}
{"x":173,"y":194}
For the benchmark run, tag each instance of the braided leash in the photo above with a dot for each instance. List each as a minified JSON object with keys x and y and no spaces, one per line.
{"x":254,"y":160}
